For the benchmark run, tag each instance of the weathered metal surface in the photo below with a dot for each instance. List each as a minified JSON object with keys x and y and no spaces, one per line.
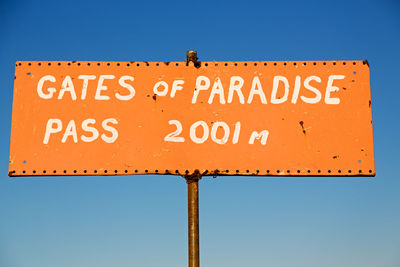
{"x":193,"y":219}
{"x":94,"y":125}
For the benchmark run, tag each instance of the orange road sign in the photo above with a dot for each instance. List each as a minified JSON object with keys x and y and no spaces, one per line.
{"x":294,"y":118}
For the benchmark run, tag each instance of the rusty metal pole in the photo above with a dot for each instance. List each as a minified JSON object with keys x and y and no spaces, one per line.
{"x":193,"y":222}
{"x":193,"y":198}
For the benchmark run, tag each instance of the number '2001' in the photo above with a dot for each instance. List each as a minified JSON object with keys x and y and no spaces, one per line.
{"x":207,"y":132}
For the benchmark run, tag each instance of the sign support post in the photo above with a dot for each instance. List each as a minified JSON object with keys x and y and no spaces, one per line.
{"x":193,"y":200}
{"x":193,"y":220}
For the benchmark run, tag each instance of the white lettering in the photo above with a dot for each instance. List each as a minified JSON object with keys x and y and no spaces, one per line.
{"x":176,"y":86}
{"x":67,"y":86}
{"x":296,"y":90}
{"x":163,"y":92}
{"x":255,"y":135}
{"x":214,"y":129}
{"x":85,"y":79}
{"x":173,"y":137}
{"x":200,"y":86}
{"x":217,"y":89}
{"x":330,"y":88}
{"x":130,"y":88}
{"x":87,"y":128}
{"x":101,"y":87}
{"x":70,"y":131}
{"x":193,"y":132}
{"x":236,"y":133}
{"x":236,"y":85}
{"x":317,"y":93}
{"x":111,"y":129}
{"x":256,"y":89}
{"x":275,"y":86}
{"x":51,"y":90}
{"x":50,"y":129}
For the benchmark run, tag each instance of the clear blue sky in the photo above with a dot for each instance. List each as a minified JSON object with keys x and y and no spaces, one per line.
{"x":141,"y":220}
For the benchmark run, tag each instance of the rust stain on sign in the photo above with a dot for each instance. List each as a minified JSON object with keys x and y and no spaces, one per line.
{"x":220,"y":118}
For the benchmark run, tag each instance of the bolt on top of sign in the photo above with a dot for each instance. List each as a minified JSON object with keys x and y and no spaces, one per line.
{"x":220,"y":118}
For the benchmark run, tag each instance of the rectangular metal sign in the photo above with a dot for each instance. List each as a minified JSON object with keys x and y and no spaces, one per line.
{"x":221,"y":118}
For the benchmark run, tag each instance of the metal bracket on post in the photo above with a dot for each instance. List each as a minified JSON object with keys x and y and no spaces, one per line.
{"x":191,"y":56}
{"x":192,"y":181}
{"x":195,"y":176}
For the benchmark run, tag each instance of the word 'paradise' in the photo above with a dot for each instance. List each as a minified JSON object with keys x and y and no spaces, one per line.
{"x":281,"y":92}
